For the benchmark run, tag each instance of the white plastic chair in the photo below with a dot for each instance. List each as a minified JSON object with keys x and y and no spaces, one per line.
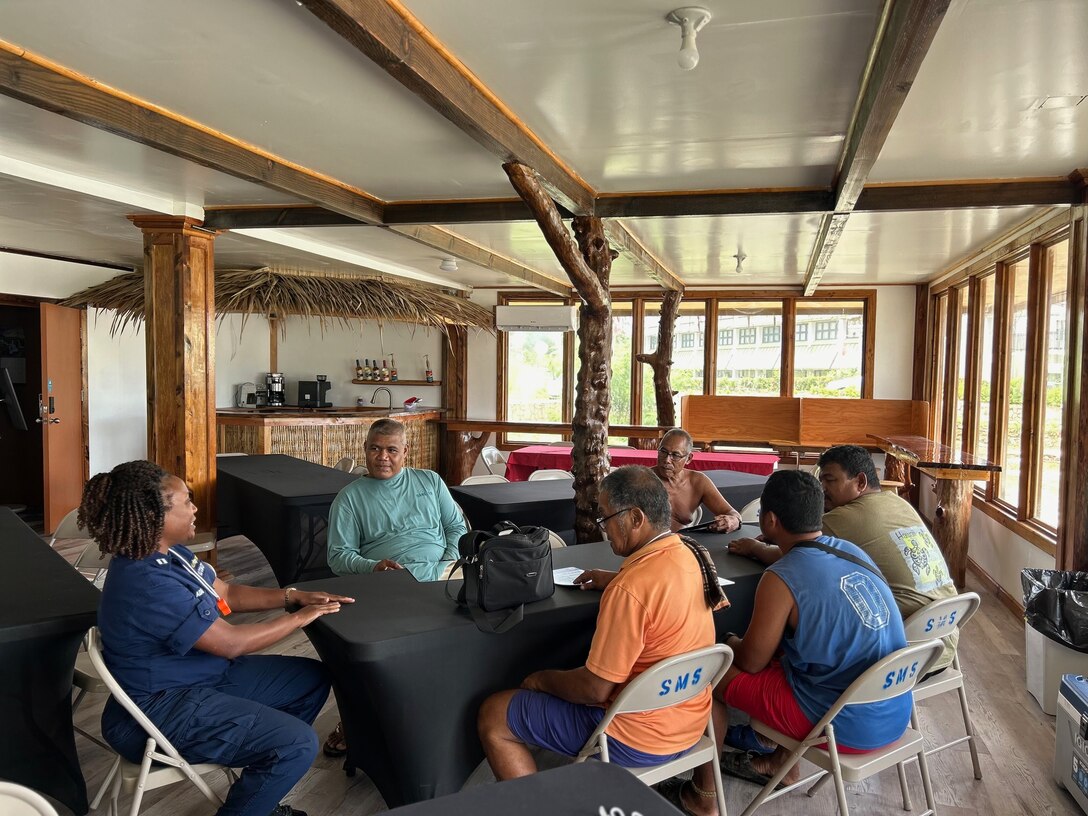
{"x":905,"y":668}
{"x":489,"y":478}
{"x":697,"y":516}
{"x":345,"y":464}
{"x":494,"y":460}
{"x":556,"y":540}
{"x":359,"y":470}
{"x":548,"y":473}
{"x":940,"y":619}
{"x":698,"y":670}
{"x":171,"y":768}
{"x":16,"y":800}
{"x":68,"y":528}
{"x":750,"y":511}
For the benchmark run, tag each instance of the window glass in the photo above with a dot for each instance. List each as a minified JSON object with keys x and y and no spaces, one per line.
{"x":752,"y":367}
{"x":1056,"y":263}
{"x":940,"y":335}
{"x":687,"y":365}
{"x":622,"y":327}
{"x":986,"y":293}
{"x":1008,"y":480}
{"x":828,"y":361}
{"x":534,"y":379}
{"x":963,"y":309}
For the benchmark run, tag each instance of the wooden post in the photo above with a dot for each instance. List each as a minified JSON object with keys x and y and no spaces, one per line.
{"x":660,"y":361}
{"x":588,"y":264}
{"x":460,"y":449}
{"x":179,"y":295}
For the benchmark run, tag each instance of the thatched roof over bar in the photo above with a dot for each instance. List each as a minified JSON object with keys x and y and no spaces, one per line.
{"x":284,"y":293}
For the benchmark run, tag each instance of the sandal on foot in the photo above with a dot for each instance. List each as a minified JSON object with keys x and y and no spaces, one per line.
{"x":336,"y":745}
{"x":671,"y":789}
{"x":744,"y":738}
{"x":738,"y":764}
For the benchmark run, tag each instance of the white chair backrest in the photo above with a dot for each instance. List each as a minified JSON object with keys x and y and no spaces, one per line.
{"x":538,"y":475}
{"x":561,"y":444}
{"x":556,"y":540}
{"x":68,"y":528}
{"x":492,"y":456}
{"x":941,"y":618}
{"x":697,"y":516}
{"x":345,"y":464}
{"x":488,"y":478}
{"x":750,"y":511}
{"x":229,"y":454}
{"x":887,"y":678}
{"x":16,"y":800}
{"x":464,"y":516}
{"x":94,"y":651}
{"x":359,"y":470}
{"x":674,"y":680}
{"x":93,"y":564}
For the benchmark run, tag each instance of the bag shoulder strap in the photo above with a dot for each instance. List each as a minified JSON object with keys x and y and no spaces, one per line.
{"x":819,"y":545}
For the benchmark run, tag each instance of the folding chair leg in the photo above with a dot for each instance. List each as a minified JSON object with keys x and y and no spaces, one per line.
{"x":114,"y":768}
{"x":902,"y":771}
{"x":927,"y":787}
{"x":115,"y":793}
{"x":145,"y":769}
{"x":969,"y":726}
{"x":719,"y":785}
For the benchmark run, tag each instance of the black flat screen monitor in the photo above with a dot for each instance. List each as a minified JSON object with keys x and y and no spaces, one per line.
{"x":11,"y":400}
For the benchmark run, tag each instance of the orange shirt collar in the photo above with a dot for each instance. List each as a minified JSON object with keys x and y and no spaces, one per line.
{"x":656,"y":546}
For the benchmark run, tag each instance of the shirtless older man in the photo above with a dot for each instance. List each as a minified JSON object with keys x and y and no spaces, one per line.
{"x":688,"y":489}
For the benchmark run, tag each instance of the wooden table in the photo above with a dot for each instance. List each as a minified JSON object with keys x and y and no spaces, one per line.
{"x":523,"y":461}
{"x":954,"y":472}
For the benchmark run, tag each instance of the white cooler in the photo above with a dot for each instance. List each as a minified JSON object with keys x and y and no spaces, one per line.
{"x":1047,"y":661}
{"x":1071,"y":729}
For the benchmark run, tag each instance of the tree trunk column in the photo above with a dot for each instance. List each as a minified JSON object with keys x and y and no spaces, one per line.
{"x":951,"y":518}
{"x":179,"y":303}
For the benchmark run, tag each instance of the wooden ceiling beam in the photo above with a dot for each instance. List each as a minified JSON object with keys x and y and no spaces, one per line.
{"x":904,"y":35}
{"x":37,"y":81}
{"x":966,"y":195}
{"x":388,"y":34}
{"x":455,"y":245}
{"x":623,"y":241}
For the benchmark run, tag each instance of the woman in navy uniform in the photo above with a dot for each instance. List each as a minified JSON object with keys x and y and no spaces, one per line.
{"x":191,"y":672}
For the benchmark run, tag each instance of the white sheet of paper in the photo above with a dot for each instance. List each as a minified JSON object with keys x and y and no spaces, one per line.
{"x":725,"y":581}
{"x":564,"y":576}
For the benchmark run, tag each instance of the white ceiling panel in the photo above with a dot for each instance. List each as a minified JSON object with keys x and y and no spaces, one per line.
{"x":974,"y":109}
{"x":911,"y":247}
{"x":768,"y":104}
{"x":270,"y":73}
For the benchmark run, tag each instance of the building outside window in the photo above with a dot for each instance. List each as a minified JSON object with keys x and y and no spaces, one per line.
{"x":827,"y":330}
{"x":746,"y":337}
{"x":725,"y":337}
{"x":772,"y":334}
{"x":687,"y":340}
{"x":802,"y":332}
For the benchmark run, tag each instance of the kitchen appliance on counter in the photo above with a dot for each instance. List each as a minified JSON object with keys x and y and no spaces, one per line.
{"x":314,"y":393}
{"x":274,"y":381}
{"x":245,"y":395}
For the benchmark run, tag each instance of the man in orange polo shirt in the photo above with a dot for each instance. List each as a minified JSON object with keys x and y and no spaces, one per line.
{"x":657,"y":606}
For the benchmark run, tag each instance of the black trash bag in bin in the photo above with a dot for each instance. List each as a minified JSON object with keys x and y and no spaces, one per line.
{"x":1056,"y":604}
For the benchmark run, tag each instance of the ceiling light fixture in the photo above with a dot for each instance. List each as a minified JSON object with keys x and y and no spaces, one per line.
{"x":690,"y":19}
{"x":740,"y":256}
{"x":448,"y":265}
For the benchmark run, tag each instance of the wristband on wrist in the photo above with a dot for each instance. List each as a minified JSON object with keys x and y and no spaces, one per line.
{"x":287,"y":596}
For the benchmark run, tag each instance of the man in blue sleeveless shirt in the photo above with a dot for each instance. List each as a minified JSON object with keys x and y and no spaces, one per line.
{"x":819,"y":621}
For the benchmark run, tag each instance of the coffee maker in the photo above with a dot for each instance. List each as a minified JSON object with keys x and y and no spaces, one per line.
{"x":313,"y":393}
{"x":274,"y":381}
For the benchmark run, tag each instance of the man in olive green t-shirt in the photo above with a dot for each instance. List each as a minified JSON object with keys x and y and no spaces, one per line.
{"x":885,"y":526}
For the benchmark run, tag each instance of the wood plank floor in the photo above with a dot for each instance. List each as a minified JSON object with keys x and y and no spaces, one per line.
{"x":1016,"y":740}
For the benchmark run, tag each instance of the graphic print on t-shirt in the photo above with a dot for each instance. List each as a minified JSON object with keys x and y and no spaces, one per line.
{"x":866,"y":600}
{"x":922,"y":555}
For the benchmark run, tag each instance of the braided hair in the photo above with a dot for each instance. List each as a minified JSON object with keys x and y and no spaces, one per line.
{"x":124,"y":509}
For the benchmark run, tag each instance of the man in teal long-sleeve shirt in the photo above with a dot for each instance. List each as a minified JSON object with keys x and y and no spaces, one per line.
{"x":393,"y":518}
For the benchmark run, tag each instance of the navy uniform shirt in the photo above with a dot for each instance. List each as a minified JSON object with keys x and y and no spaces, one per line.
{"x":152,"y":612}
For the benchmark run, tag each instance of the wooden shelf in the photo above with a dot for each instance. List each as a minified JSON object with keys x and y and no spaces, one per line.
{"x":396,"y":382}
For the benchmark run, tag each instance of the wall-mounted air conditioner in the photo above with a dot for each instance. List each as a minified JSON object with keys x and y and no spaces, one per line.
{"x":536,"y":318}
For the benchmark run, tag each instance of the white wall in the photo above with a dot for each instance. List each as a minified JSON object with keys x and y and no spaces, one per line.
{"x":894,"y":358}
{"x":116,"y":392}
{"x":241,"y":355}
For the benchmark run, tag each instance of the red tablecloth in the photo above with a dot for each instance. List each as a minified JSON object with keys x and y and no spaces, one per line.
{"x":523,"y":461}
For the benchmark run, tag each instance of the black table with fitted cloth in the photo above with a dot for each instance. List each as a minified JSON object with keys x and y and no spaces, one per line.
{"x":45,"y":609}
{"x":738,"y":488}
{"x":588,"y":788}
{"x":410,"y":669}
{"x":281,"y":504}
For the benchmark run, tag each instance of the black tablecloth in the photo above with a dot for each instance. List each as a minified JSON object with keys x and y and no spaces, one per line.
{"x":737,"y":488}
{"x":588,"y":788}
{"x":45,"y":609}
{"x":410,"y":669}
{"x":282,"y":505}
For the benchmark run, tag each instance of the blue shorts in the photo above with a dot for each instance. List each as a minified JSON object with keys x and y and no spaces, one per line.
{"x":546,"y":721}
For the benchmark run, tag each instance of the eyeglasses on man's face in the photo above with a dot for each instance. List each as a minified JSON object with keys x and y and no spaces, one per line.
{"x":601,"y":521}
{"x":676,"y":456}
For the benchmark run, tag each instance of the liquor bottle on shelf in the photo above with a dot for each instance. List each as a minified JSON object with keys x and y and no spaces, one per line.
{"x":385,"y":372}
{"x":393,"y":368}
{"x":366,"y":370}
{"x":427,"y":363}
{"x":376,"y":372}
{"x":358,"y":369}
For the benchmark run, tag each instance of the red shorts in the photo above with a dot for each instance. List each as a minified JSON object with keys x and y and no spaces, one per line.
{"x":766,"y":696}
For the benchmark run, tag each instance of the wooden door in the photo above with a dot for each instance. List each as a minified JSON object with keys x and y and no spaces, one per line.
{"x":60,"y":411}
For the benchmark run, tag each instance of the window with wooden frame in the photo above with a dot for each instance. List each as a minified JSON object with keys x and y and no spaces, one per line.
{"x":754,"y":353}
{"x":999,"y":379}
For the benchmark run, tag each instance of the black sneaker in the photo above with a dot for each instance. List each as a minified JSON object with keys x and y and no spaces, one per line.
{"x":286,"y":810}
